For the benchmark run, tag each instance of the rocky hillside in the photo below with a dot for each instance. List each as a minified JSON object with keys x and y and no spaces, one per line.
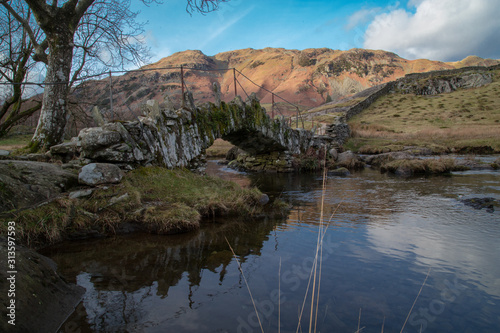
{"x":308,"y":78}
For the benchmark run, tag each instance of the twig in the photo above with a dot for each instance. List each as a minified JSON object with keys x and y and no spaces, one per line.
{"x":416,"y":298}
{"x":246,"y":283}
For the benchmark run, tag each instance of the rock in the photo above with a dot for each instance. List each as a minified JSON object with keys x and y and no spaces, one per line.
{"x":350,"y":161}
{"x":216,"y":90}
{"x":480,"y":203}
{"x":4,"y":152}
{"x":110,"y":143}
{"x":65,"y":151}
{"x":233,"y":153}
{"x":80,"y":194}
{"x":264,"y":199}
{"x":168,"y":104}
{"x":100,"y":173}
{"x":97,"y":116}
{"x":333,"y":154}
{"x":115,"y":200}
{"x":379,"y":159}
{"x":342,"y":172}
{"x":34,"y":157}
{"x":151,"y":109}
{"x":43,"y":299}
{"x":26,"y":183}
{"x":189,"y":101}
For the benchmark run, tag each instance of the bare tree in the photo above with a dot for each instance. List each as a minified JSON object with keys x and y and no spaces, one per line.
{"x":60,"y":22}
{"x":15,"y":66}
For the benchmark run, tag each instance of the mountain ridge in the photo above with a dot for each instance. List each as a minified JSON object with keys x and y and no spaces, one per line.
{"x":308,"y":78}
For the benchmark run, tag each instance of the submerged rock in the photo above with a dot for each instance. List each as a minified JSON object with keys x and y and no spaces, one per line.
{"x":480,"y":203}
{"x":342,"y":172}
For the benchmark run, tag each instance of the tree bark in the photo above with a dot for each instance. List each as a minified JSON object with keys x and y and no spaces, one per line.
{"x":52,"y":122}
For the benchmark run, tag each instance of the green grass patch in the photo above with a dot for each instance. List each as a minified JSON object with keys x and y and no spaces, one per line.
{"x":11,"y":142}
{"x":154,"y":199}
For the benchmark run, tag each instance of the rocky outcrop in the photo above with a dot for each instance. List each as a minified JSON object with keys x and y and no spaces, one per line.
{"x":25,"y":183}
{"x":444,"y":83}
{"x":43,"y":300}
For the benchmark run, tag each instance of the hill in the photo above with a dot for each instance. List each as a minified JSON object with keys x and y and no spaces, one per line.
{"x":307,"y":78}
{"x":463,"y":116}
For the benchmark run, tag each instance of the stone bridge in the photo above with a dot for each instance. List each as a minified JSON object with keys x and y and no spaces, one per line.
{"x":178,"y":138}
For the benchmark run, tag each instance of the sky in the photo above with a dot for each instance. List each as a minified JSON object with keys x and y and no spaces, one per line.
{"x":445,"y":30}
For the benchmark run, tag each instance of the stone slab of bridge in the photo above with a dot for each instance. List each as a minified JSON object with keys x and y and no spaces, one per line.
{"x":178,"y":138}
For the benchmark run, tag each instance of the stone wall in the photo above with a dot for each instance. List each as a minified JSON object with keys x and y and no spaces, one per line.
{"x":178,"y":138}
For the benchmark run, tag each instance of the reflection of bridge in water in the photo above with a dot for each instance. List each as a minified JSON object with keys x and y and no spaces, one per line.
{"x":128,"y":276}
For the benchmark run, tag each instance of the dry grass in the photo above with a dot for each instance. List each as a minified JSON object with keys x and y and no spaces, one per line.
{"x":466,"y":117}
{"x":219,"y":148}
{"x":418,"y":166}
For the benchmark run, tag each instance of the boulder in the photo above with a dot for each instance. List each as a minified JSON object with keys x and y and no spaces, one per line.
{"x":4,"y":152}
{"x":334,"y":154}
{"x":27,"y":183}
{"x":264,"y":199}
{"x":233,"y":153}
{"x":379,"y":159}
{"x":43,"y":299}
{"x":350,"y":161}
{"x":111,"y":143}
{"x":100,"y":173}
{"x":340,"y":172}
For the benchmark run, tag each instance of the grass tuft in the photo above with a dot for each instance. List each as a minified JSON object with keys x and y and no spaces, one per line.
{"x":155,"y":199}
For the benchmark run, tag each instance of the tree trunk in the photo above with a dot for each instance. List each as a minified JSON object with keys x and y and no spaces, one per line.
{"x":52,"y":122}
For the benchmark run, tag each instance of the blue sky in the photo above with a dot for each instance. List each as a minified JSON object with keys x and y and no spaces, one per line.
{"x":446,"y":30}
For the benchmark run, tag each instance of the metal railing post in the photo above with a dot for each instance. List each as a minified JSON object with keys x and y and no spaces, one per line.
{"x":234,"y":78}
{"x":272,"y":107}
{"x":182,"y":85}
{"x":111,"y":96}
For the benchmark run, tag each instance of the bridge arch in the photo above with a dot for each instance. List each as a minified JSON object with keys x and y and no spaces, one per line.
{"x":178,"y":138}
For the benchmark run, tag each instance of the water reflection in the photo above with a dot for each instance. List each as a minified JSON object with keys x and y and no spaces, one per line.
{"x":126,"y":277}
{"x":384,"y":236}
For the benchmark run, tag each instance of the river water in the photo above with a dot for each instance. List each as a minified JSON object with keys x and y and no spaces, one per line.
{"x":395,"y":250}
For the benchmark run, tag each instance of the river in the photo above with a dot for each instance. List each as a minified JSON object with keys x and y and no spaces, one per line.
{"x":396,"y":253}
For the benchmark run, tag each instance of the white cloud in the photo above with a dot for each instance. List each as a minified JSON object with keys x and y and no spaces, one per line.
{"x":361,"y":17}
{"x":438,"y":29}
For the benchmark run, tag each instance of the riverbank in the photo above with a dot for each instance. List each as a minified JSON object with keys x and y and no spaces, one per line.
{"x":152,"y":199}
